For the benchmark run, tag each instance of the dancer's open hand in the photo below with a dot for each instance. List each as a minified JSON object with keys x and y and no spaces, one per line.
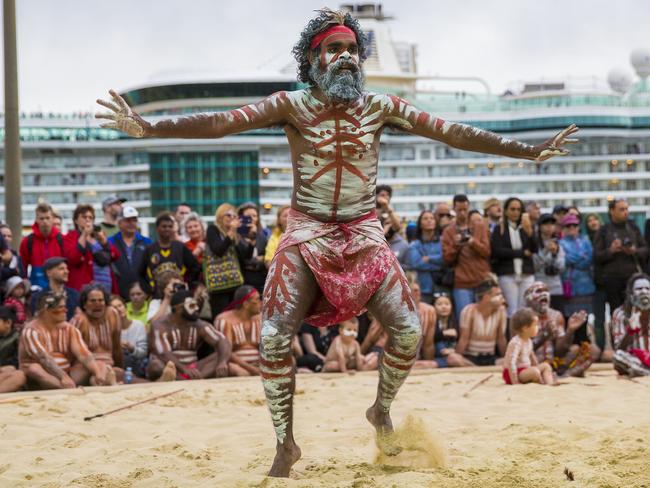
{"x":122,"y":117}
{"x":553,"y":147}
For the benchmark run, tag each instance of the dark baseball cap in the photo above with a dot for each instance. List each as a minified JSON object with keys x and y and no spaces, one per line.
{"x":53,"y":262}
{"x":560,"y":208}
{"x":545,"y":218}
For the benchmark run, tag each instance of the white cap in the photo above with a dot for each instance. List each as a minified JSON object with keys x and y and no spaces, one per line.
{"x":128,"y":213}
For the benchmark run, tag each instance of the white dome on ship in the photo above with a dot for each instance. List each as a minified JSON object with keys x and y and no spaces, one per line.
{"x":619,"y":80}
{"x":640,"y":59}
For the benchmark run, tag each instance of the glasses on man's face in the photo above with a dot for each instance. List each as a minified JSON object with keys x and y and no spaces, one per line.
{"x":569,"y":226}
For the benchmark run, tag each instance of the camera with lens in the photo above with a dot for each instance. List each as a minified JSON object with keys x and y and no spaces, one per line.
{"x":179,"y":287}
{"x":465,"y":235}
{"x":551,"y":270}
{"x":627,"y":242}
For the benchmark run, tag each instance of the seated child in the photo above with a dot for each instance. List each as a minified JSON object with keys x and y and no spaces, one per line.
{"x":16,"y":293}
{"x":344,"y":355}
{"x":10,"y":378}
{"x":520,"y":363}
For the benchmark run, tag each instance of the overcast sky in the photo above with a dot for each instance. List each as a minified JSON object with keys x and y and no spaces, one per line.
{"x":71,"y":51}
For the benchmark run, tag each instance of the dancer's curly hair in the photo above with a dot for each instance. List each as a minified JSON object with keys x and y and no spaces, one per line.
{"x":627,"y":304}
{"x":325,"y":19}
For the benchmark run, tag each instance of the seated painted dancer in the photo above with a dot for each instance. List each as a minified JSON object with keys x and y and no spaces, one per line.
{"x":101,"y":328}
{"x":631,"y":329}
{"x":177,"y":337}
{"x":554,"y":343}
{"x":333,"y":261}
{"x":241,"y":323}
{"x":52,"y":353}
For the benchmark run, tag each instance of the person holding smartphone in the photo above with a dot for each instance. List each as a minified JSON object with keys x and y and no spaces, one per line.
{"x":88,"y":251}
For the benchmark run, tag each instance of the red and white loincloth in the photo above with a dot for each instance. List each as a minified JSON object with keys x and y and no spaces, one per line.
{"x":349,"y":261}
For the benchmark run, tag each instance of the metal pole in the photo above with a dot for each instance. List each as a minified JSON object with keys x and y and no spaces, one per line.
{"x":12,"y":181}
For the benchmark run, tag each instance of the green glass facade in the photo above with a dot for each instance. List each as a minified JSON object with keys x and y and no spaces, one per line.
{"x":204,"y":180}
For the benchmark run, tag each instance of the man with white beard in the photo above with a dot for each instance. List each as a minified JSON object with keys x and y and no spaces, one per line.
{"x":631,"y":328}
{"x":333,"y":261}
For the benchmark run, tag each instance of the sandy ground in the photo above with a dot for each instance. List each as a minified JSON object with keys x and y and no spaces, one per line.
{"x":217,"y":433}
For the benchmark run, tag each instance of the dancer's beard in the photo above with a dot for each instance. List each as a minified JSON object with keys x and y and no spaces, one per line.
{"x":339,"y":86}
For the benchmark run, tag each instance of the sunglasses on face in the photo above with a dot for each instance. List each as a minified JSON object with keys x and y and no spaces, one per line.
{"x":444,"y":215}
{"x":571,"y":225}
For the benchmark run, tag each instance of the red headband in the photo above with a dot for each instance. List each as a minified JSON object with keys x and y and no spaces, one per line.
{"x":241,"y":300}
{"x":337,"y":29}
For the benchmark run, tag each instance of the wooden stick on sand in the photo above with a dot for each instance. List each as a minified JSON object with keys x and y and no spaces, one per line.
{"x":484,"y":380}
{"x":132,"y":405}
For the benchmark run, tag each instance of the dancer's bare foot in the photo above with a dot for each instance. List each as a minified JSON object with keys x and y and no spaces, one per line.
{"x":169,"y":372}
{"x":384,"y":427}
{"x":285,"y":457}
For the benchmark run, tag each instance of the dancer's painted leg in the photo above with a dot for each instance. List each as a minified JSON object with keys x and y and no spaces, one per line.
{"x":394,"y":308}
{"x":289,"y":291}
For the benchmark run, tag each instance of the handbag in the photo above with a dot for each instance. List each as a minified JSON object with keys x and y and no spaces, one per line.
{"x":221,"y":272}
{"x":567,"y":287}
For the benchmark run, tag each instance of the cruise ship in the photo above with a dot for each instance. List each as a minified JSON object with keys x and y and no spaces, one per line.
{"x":68,"y":159}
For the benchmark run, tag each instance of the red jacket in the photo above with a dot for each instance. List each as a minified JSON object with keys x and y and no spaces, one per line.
{"x":42,"y":247}
{"x":80,"y":262}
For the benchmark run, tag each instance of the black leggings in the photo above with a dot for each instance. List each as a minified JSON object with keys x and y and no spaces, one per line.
{"x":310,"y":361}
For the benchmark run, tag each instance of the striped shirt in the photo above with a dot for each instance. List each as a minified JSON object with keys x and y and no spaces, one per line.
{"x":483,"y":333}
{"x":37,"y":340}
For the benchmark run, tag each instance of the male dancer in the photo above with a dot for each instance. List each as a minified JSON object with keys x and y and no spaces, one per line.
{"x":631,"y":328}
{"x":554,"y":343}
{"x":177,"y":337}
{"x":52,"y":352}
{"x":333,"y":261}
{"x":241,"y":324}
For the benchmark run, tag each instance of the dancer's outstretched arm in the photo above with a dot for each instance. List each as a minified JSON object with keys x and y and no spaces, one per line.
{"x":403,"y":115}
{"x":266,"y":113}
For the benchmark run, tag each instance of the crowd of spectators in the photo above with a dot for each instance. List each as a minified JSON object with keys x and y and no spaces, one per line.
{"x":102,"y":303}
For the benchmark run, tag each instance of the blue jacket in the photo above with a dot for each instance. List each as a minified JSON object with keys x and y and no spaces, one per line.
{"x":430,"y":271}
{"x":126,"y":271}
{"x":578,"y":260}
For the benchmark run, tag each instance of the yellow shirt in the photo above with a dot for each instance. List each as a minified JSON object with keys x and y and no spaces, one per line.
{"x":272,"y":244}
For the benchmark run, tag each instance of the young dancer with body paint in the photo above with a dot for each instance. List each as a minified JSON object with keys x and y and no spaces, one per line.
{"x":333,"y":261}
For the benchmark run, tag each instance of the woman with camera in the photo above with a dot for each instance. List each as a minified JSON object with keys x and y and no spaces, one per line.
{"x":251,"y":230}
{"x":549,"y":260}
{"x":513,"y":246}
{"x":225,"y":251}
{"x":88,"y":251}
